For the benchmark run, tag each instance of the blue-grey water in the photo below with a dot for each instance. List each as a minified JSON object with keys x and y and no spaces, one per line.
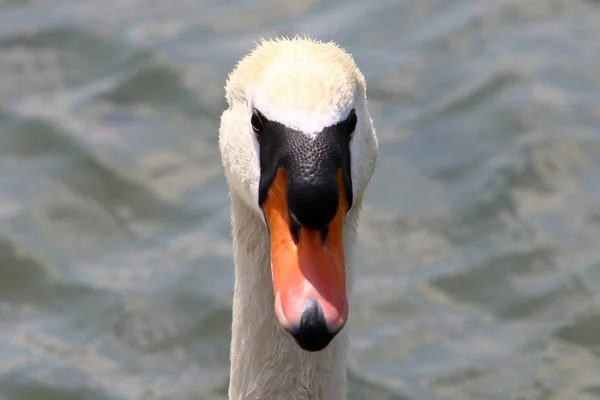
{"x":478,"y":271}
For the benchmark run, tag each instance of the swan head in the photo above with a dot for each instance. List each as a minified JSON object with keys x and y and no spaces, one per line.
{"x":299,"y":148}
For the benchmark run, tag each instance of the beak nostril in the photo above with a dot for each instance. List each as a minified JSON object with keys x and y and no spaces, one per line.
{"x":324,"y":232}
{"x":294,"y":228}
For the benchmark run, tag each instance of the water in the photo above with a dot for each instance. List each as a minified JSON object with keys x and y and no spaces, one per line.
{"x":478,"y":269}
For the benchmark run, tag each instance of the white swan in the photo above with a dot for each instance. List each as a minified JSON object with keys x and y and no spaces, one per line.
{"x":298,"y":147}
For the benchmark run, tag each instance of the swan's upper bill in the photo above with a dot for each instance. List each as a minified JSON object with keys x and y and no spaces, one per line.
{"x":298,"y":147}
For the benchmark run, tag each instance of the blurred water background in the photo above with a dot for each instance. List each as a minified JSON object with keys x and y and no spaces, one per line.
{"x":478,"y":271}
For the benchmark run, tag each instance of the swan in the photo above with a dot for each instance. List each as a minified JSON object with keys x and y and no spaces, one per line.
{"x":298,"y":149}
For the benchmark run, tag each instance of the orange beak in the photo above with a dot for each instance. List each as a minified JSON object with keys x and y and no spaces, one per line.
{"x":308,"y":270}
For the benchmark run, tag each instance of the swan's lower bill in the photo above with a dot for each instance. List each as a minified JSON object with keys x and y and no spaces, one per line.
{"x":308,"y":268}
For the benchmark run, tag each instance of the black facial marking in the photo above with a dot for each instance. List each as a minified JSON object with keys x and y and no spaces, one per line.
{"x":311,"y":167}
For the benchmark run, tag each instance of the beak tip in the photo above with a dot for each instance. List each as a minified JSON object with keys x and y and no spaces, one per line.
{"x":313,"y":331}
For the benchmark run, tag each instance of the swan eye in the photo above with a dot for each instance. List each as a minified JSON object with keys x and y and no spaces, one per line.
{"x":256,"y":121}
{"x":351,"y":122}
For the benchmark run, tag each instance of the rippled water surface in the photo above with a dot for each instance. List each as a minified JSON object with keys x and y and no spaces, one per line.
{"x":478,"y":271}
